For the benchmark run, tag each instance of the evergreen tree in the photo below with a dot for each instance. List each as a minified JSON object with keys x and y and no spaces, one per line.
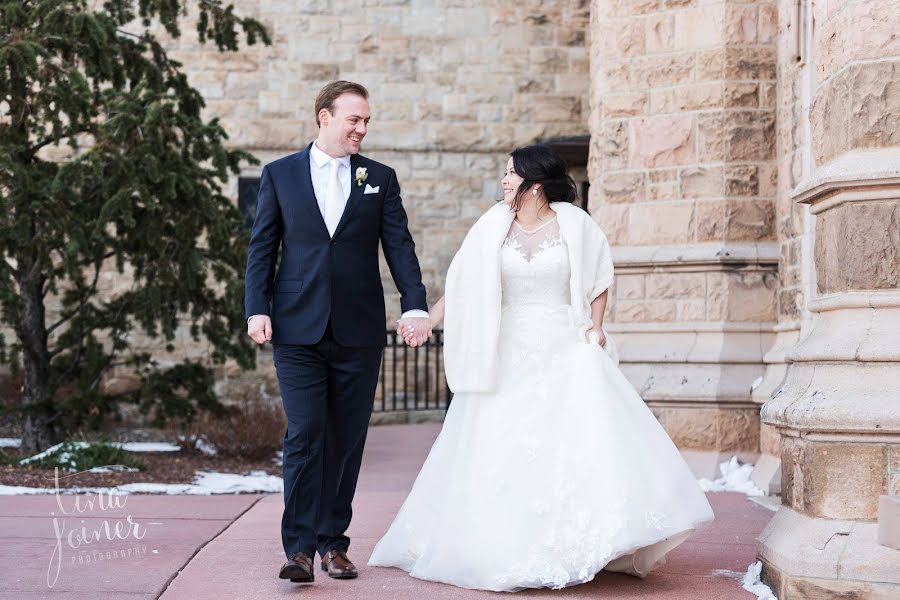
{"x":135,"y":182}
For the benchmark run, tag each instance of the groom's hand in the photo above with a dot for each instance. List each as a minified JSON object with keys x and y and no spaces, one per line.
{"x":415,"y":330}
{"x":260,"y":329}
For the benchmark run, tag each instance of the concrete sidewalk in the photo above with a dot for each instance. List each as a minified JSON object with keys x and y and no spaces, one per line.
{"x":243,"y":561}
{"x":229,"y":547}
{"x":42,"y":554}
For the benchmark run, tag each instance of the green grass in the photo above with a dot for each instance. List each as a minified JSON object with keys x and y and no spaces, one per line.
{"x":81,"y":455}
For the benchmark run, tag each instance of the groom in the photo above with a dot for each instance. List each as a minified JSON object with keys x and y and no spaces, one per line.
{"x":327,"y":208}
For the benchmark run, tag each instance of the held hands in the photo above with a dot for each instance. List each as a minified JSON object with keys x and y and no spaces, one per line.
{"x":260,"y":329}
{"x":415,"y":331}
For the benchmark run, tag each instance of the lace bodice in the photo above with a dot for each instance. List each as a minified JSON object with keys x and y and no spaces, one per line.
{"x":535,"y":266}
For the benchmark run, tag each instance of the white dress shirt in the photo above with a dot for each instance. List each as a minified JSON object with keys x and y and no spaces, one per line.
{"x":319,"y":168}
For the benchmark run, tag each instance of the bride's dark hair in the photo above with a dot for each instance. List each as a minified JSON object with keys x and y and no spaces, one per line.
{"x":541,"y":164}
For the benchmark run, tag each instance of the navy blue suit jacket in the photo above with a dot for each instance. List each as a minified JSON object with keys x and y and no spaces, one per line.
{"x":320,"y":276}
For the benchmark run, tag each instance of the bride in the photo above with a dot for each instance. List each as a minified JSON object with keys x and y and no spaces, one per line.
{"x":549,"y":467}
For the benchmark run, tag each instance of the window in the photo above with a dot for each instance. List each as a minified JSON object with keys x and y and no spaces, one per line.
{"x":248,"y":189}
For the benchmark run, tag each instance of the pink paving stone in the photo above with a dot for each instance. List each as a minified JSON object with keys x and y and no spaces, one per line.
{"x":173,"y":528}
{"x":243,"y":561}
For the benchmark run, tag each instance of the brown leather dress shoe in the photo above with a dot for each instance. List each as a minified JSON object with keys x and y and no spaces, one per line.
{"x":336,"y":563}
{"x":299,"y":569}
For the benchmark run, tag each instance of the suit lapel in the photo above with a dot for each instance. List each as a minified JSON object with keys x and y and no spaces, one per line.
{"x":356,"y":192}
{"x":307,"y":193}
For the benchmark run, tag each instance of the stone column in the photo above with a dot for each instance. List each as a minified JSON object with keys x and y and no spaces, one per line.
{"x":683,"y":183}
{"x":838,"y":410}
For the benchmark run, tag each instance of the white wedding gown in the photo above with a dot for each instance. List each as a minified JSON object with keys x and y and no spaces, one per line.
{"x":559,"y":473}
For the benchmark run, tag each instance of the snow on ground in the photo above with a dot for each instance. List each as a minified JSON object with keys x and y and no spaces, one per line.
{"x":199,"y":443}
{"x":10,"y":442}
{"x":735,"y":478}
{"x":205,"y":483}
{"x":128,"y":446}
{"x":147,"y":446}
{"x":111,"y":468}
{"x":752,"y":583}
{"x":63,"y":457}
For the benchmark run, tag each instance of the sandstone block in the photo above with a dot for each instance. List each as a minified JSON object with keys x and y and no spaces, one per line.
{"x":702,"y":182}
{"x":676,"y":285}
{"x":662,"y":101}
{"x":863,"y":31}
{"x":692,"y":428}
{"x":660,"y":175}
{"x":737,"y":430}
{"x":612,"y":145}
{"x":843,"y":481}
{"x":698,"y":97}
{"x":699,"y":27}
{"x":742,"y":180}
{"x":749,"y":135}
{"x":711,"y":64}
{"x":644,"y":311}
{"x":741,"y":94}
{"x":658,"y":71}
{"x":690,"y":310}
{"x":629,"y":287}
{"x":623,"y":187}
{"x":749,"y":62}
{"x":668,"y":190}
{"x":669,"y":223}
{"x":767,"y":25}
{"x":736,"y":296}
{"x":624,"y":105}
{"x":740,"y":24}
{"x":735,"y":220}
{"x":661,"y":141}
{"x":551,"y":108}
{"x":858,"y":247}
{"x":874,"y":117}
{"x":613,"y":220}
{"x":660,"y":35}
{"x":710,"y":137}
{"x":790,"y":304}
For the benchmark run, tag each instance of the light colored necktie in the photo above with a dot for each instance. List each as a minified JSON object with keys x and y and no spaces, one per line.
{"x":334,"y":198}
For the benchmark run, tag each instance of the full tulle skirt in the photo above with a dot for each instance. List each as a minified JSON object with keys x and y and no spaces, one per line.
{"x":559,"y":473}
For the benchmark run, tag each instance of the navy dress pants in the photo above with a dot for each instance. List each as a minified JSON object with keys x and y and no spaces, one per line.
{"x":327,"y":391}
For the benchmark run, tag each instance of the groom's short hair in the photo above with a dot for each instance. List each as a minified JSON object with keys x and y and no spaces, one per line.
{"x":333,"y":90}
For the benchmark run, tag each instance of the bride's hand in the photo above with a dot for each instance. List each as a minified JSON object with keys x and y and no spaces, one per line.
{"x":595,"y":331}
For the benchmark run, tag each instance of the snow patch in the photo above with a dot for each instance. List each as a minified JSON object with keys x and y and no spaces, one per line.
{"x":10,"y":442}
{"x":205,"y":447}
{"x":205,"y":483}
{"x":735,"y":478}
{"x":147,"y":446}
{"x":112,"y":468}
{"x":756,"y":383}
{"x":64,"y":457}
{"x":727,"y":573}
{"x":200,"y":443}
{"x":752,"y":583}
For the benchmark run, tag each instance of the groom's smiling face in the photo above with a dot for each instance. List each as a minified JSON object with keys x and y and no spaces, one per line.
{"x":343,"y":130}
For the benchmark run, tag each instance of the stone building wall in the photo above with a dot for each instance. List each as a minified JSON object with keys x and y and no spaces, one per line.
{"x":833,"y":418}
{"x":454,"y":85}
{"x":684,"y":181}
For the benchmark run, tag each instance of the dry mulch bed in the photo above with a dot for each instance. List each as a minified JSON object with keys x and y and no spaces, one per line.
{"x":162,"y":467}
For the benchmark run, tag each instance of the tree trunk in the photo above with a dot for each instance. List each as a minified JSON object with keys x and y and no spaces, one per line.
{"x":38,"y":424}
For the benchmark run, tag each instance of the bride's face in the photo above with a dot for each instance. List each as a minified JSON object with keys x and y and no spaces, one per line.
{"x":510,"y":182}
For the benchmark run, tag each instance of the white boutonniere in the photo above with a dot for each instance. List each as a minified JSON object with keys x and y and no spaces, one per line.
{"x":361,"y":175}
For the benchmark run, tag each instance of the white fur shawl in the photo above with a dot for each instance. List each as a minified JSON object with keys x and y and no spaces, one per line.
{"x":472,"y":292}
